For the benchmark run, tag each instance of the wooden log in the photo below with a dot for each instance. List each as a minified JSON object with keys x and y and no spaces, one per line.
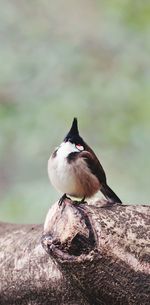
{"x":96,"y":254}
{"x":28,"y":276}
{"x":103,"y":250}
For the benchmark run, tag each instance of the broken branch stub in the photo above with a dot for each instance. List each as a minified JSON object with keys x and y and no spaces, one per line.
{"x":103,"y":250}
{"x":68,"y":229}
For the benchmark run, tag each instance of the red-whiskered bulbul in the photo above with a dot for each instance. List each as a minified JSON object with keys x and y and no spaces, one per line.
{"x":74,"y":169}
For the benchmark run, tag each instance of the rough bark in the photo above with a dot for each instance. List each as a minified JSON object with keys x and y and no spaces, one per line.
{"x":96,"y":254}
{"x":27,"y":273}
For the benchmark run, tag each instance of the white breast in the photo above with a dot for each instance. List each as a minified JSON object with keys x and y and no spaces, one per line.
{"x":60,"y":172}
{"x":74,"y":178}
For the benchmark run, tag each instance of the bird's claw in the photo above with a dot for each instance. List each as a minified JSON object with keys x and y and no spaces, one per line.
{"x":61,"y":200}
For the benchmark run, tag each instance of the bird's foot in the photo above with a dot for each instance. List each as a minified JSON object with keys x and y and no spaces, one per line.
{"x":61,"y":200}
{"x":83,"y":200}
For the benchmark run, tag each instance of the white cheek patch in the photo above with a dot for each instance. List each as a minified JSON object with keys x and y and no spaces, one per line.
{"x":66,"y":148}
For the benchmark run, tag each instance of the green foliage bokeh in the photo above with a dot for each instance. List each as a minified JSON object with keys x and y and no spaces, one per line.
{"x":62,"y":59}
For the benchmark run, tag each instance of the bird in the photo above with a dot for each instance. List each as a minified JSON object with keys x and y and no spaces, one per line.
{"x":74,"y":169}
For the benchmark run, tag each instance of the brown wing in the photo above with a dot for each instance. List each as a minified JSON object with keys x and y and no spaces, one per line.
{"x":93,"y":164}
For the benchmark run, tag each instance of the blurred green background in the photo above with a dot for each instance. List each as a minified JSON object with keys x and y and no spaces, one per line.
{"x":60,"y":59}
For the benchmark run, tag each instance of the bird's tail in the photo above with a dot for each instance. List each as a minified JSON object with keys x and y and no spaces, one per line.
{"x":109,"y":194}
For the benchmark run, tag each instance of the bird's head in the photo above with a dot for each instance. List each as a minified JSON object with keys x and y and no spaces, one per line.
{"x":72,"y":141}
{"x":74,"y":137}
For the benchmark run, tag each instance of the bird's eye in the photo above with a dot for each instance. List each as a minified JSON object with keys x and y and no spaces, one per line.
{"x":79,"y":147}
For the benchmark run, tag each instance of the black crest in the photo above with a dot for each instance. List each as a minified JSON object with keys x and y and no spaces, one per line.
{"x":73,"y":134}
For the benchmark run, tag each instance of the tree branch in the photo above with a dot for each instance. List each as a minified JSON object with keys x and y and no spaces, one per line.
{"x":97,"y":254}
